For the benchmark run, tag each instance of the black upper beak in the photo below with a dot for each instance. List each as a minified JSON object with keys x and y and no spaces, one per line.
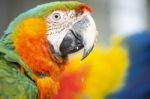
{"x":82,"y":35}
{"x":71,"y":43}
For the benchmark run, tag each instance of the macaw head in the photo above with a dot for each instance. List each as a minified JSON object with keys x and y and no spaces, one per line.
{"x":71,"y":30}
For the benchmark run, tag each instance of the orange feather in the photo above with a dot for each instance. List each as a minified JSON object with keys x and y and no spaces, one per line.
{"x":31,"y":44}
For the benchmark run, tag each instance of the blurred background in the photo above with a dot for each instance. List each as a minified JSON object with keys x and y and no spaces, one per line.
{"x":114,"y":72}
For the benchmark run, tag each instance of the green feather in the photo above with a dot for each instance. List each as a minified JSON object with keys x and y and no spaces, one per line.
{"x":13,"y":84}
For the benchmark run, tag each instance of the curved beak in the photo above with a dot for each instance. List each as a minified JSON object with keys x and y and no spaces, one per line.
{"x":81,"y":35}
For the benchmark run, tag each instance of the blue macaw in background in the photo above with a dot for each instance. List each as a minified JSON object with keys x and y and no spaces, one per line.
{"x":137,"y":80}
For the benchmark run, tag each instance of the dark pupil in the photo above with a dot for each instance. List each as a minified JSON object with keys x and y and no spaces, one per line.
{"x":56,"y":16}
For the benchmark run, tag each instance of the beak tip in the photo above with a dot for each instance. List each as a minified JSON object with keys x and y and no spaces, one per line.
{"x":86,"y":52}
{"x":84,"y":56}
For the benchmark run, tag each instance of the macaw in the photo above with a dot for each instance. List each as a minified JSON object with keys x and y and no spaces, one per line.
{"x":35,"y":47}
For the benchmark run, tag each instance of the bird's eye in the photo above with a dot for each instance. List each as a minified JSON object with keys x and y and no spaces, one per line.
{"x":56,"y":16}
